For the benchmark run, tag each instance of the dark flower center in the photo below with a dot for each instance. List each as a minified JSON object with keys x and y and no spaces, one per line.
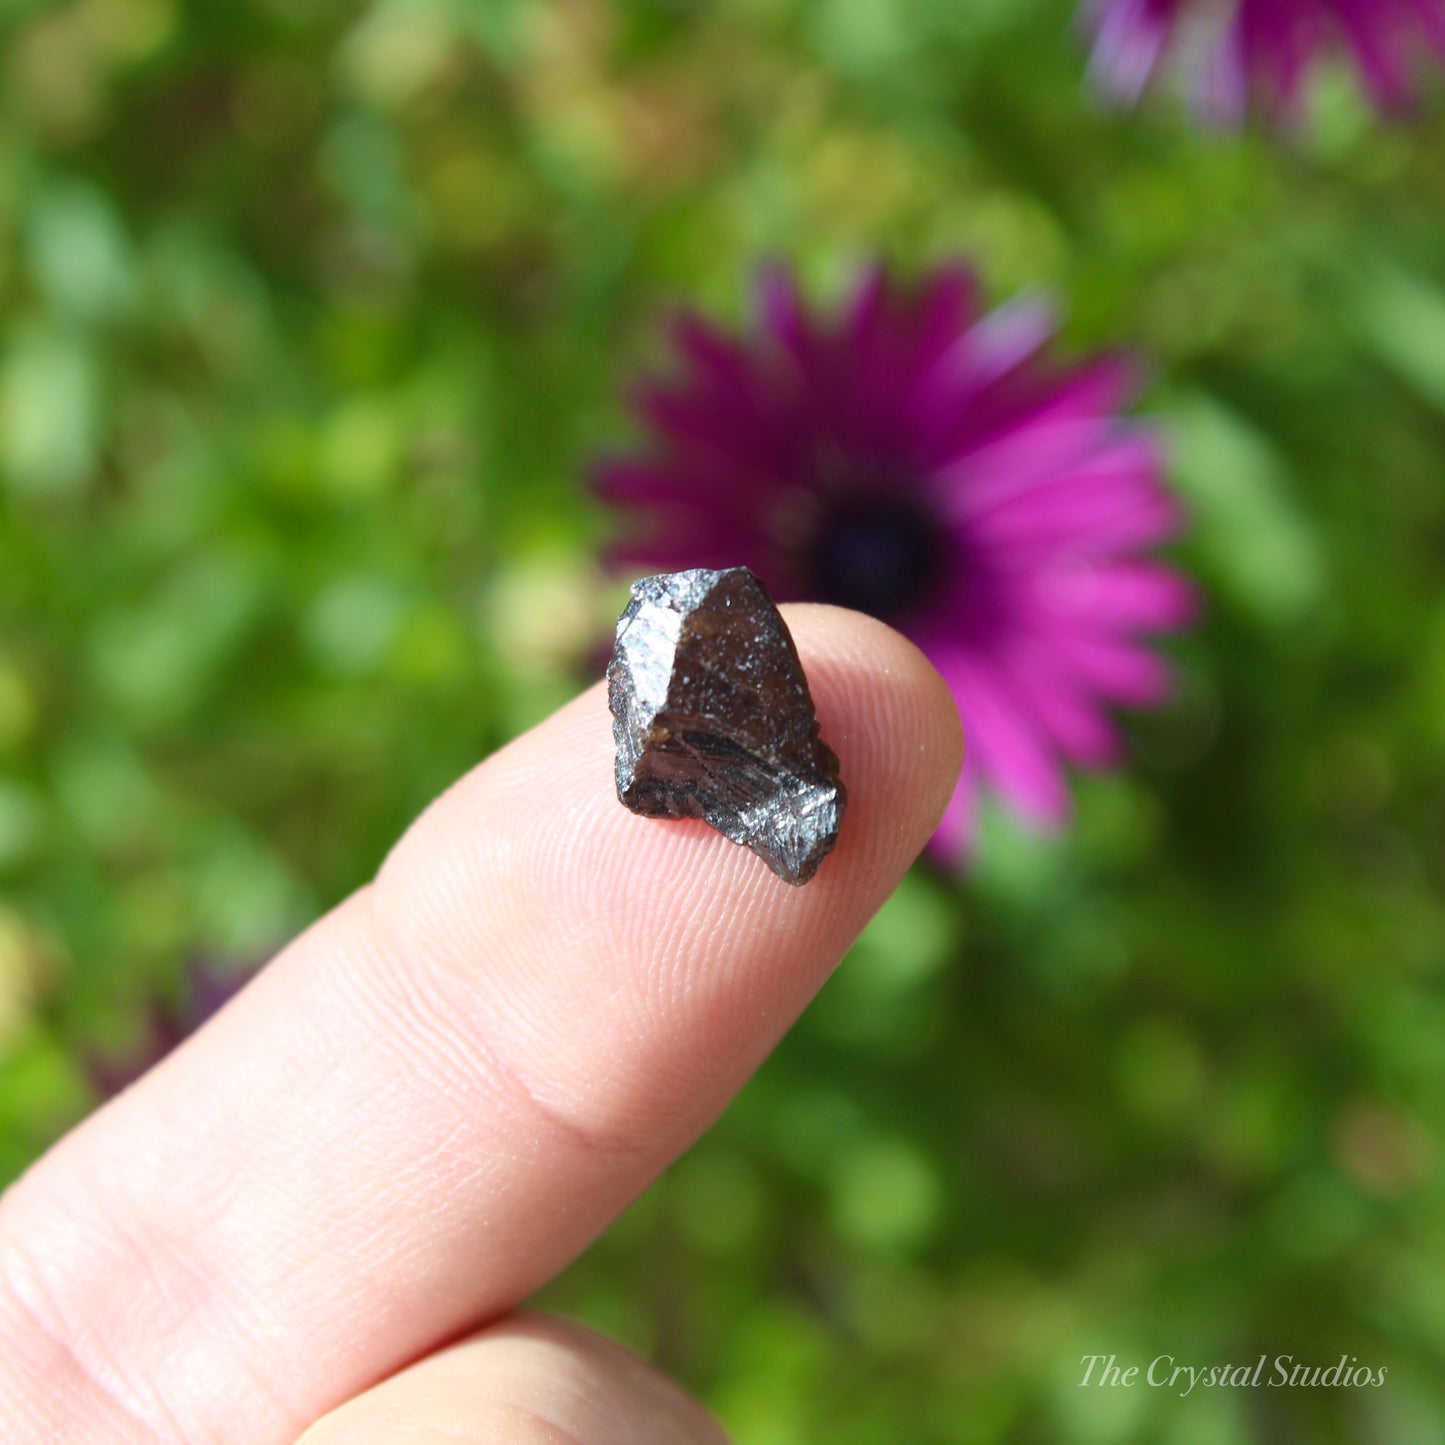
{"x":880,"y":555}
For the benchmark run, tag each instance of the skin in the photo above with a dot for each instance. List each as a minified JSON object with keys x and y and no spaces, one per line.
{"x":317,"y":1218}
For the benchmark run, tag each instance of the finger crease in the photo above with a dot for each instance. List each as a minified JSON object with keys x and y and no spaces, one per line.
{"x":501,"y":1073}
{"x":30,"y":1298}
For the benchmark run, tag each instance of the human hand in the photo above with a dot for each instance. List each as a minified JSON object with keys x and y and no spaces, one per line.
{"x":316,"y":1218}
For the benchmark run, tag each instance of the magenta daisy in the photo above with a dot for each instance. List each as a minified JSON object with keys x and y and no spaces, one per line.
{"x":1230,"y":50}
{"x":930,"y":464}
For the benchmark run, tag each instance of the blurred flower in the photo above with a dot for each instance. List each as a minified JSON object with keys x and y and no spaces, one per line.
{"x":1231,"y":48}
{"x":206,"y":988}
{"x":929,"y":464}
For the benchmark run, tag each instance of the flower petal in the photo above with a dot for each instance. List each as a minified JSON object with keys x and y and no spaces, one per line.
{"x":1005,"y":743}
{"x":1116,"y":669}
{"x":1133,"y":596}
{"x":1091,"y":511}
{"x":1068,"y":713}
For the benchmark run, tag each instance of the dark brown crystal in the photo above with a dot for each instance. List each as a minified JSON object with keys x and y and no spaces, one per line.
{"x":713,"y":719}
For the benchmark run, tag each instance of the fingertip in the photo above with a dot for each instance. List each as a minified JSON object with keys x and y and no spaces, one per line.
{"x":883,"y":707}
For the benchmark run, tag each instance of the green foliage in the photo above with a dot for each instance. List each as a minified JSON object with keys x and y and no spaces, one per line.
{"x":313,"y":315}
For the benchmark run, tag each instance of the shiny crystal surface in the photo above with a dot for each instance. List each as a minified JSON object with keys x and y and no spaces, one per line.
{"x":713,"y":719}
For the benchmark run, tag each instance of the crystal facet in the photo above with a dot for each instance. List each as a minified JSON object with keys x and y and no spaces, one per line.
{"x":713,"y":719}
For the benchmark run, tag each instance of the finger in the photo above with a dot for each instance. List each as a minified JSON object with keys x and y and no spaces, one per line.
{"x":439,"y":1094}
{"x":529,"y":1379}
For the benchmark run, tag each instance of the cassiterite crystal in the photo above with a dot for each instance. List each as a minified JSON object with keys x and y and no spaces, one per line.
{"x":713,"y":719}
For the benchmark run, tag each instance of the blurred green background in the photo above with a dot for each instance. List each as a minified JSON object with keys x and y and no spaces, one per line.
{"x":313,"y":314}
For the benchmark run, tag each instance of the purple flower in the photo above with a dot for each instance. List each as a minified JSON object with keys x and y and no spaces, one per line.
{"x":207,"y":987}
{"x":1232,"y":49}
{"x":927,"y":463}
